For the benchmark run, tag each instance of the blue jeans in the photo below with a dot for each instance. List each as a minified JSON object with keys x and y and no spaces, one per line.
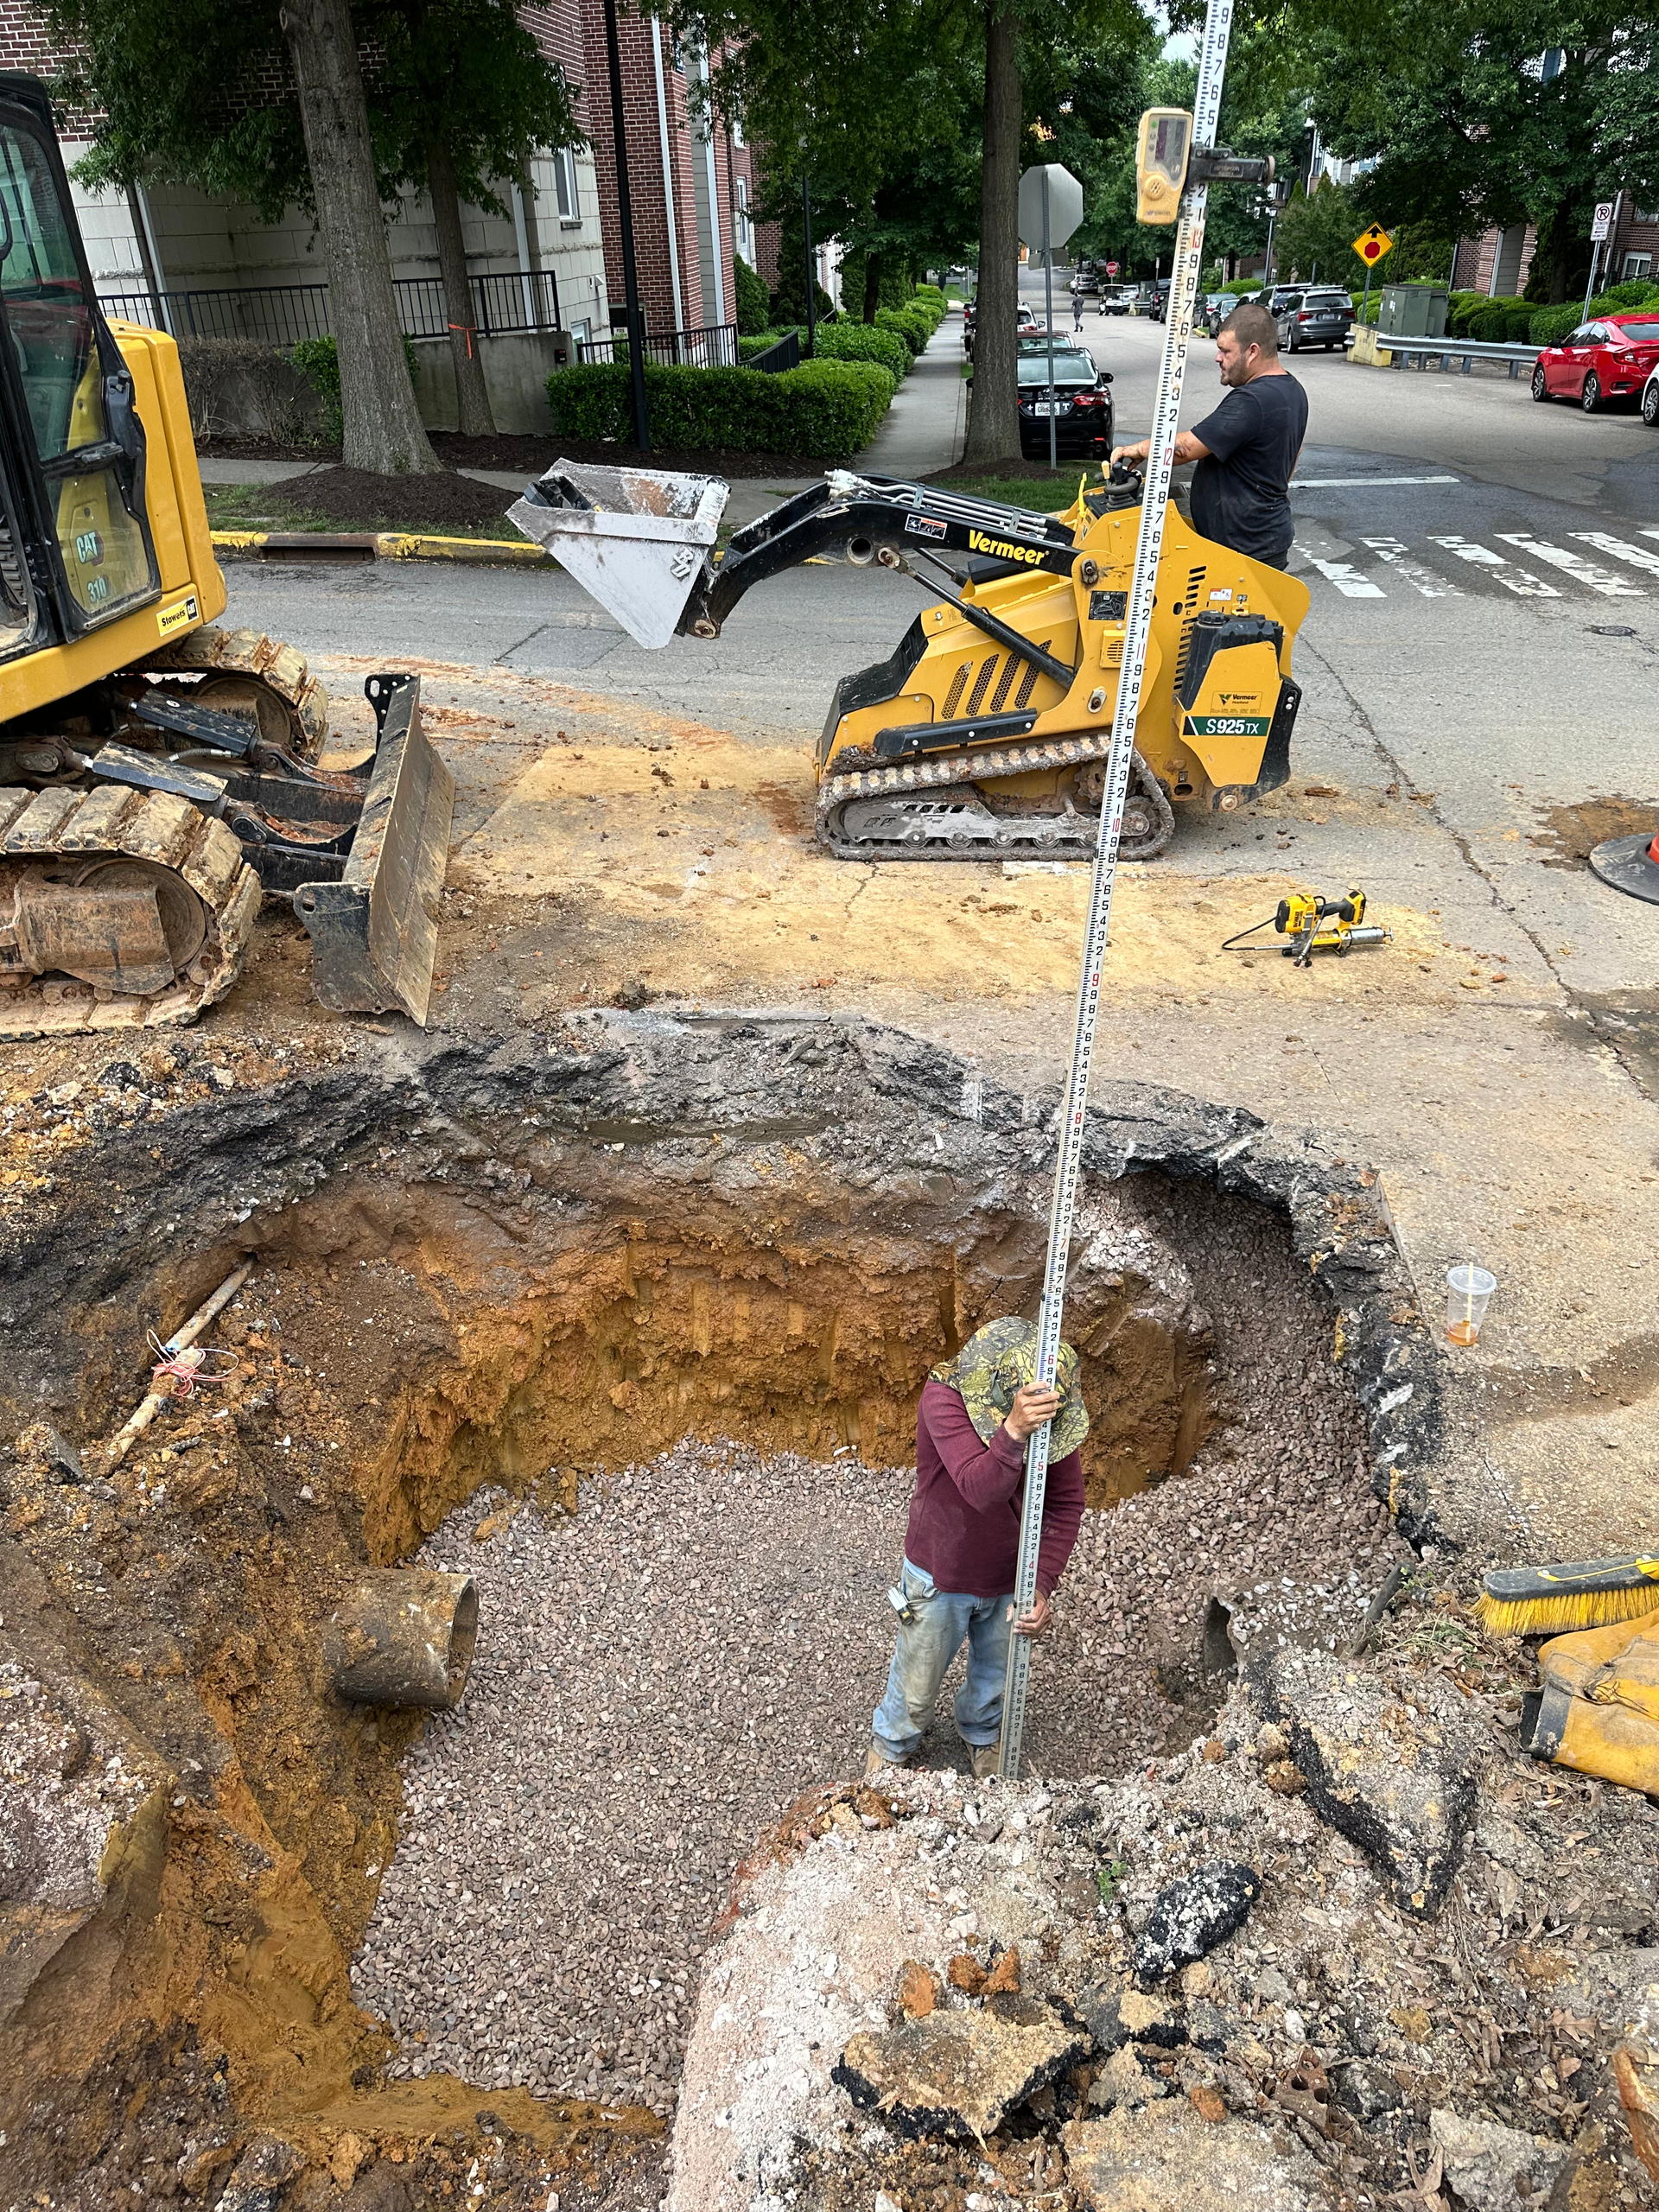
{"x":925,"y":1648}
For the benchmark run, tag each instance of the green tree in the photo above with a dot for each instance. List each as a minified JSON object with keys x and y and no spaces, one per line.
{"x":455,"y":94}
{"x":1496,"y":111}
{"x":460,"y":96}
{"x":913,"y":116}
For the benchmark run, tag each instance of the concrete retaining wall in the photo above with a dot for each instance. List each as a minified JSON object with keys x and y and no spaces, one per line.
{"x":516,"y":368}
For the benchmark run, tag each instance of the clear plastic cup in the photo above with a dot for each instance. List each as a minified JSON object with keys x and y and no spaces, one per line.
{"x":1468,"y":1292}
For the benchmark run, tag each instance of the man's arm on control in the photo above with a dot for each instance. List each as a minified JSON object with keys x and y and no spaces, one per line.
{"x":1187,"y":448}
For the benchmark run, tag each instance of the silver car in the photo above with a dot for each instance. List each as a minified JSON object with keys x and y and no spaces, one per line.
{"x":1314,"y":318}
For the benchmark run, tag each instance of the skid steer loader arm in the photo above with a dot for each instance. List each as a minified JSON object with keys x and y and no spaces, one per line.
{"x":641,"y":540}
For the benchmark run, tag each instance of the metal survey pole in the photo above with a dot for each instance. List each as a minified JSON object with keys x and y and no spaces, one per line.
{"x":1048,"y":312}
{"x":1160,"y":462}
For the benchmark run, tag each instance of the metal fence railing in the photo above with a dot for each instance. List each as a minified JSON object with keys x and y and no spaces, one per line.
{"x":713,"y":348}
{"x":786,"y":354}
{"x":283,"y":314}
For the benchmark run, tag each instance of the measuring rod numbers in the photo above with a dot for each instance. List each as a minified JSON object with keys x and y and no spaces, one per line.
{"x":1184,"y":283}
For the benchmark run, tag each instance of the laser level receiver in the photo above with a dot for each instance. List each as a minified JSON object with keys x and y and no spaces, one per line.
{"x":1316,"y":924}
{"x":1160,"y":158}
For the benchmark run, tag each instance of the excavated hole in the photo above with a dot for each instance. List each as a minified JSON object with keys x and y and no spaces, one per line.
{"x":649,"y":1376}
{"x":678,"y":1461}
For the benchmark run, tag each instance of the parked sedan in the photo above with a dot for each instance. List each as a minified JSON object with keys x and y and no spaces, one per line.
{"x":1314,"y":318}
{"x":1218,"y":306}
{"x":1614,"y":358}
{"x":1077,"y":402}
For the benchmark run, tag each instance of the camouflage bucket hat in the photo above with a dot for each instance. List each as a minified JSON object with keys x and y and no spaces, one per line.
{"x":1000,"y":1359}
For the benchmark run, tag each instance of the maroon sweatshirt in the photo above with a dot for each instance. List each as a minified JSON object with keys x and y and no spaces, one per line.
{"x":964,"y":1515}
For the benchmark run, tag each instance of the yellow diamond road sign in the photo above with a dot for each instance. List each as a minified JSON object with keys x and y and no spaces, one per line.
{"x":1371,"y":245}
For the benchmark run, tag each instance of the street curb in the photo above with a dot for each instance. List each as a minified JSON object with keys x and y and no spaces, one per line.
{"x":381,"y":546}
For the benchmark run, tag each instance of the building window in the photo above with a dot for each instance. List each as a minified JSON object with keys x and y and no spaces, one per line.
{"x":737,"y":131}
{"x":744,"y":242}
{"x":1637,"y":264}
{"x":564,"y":179}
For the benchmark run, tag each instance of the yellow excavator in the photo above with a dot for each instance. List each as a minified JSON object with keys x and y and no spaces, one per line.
{"x":984,"y":734}
{"x":158,"y":774}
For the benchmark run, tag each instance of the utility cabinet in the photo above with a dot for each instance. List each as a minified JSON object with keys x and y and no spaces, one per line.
{"x":1413,"y":311}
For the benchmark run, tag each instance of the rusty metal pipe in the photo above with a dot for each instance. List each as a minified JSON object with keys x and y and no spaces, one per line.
{"x":403,"y":1636}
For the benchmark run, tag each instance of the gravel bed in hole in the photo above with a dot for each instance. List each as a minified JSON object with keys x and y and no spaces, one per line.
{"x":660,"y":1674}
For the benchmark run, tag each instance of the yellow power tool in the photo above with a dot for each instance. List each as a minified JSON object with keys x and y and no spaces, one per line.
{"x":1318,"y":924}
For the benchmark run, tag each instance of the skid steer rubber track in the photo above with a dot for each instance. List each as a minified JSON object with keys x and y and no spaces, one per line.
{"x":58,"y":842}
{"x":930,"y":809}
{"x":294,"y":705}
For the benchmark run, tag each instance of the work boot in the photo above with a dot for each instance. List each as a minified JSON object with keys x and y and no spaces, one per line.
{"x":982,"y":1759}
{"x":878,"y":1766}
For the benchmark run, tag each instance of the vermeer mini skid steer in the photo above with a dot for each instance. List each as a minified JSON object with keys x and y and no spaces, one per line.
{"x":158,"y":775}
{"x":984,"y":733}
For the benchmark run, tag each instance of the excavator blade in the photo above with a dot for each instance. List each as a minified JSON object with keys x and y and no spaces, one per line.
{"x":374,"y":933}
{"x":633,"y":538}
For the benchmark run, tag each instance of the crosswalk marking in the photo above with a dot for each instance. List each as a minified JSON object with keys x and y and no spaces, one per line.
{"x":1522,"y":581}
{"x":1347,"y":579}
{"x":1419,"y":577}
{"x":1637,"y":556}
{"x":1574,"y":564}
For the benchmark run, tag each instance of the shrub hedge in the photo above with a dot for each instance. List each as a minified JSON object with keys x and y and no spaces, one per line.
{"x":754,"y":302}
{"x":865,"y":341}
{"x":826,"y":410}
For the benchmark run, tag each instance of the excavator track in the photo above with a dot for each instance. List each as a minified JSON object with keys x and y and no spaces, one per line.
{"x":931,"y":810}
{"x":141,"y":890}
{"x":246,"y":669}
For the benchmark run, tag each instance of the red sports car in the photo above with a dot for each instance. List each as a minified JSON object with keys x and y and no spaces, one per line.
{"x":1608,"y":359}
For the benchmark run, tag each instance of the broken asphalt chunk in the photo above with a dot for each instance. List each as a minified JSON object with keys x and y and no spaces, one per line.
{"x":958,"y":2074}
{"x":1394,"y":1776}
{"x":1493,"y":2168}
{"x":1190,"y":1916}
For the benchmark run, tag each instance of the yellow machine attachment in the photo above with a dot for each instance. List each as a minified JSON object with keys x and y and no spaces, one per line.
{"x":984,"y":733}
{"x":157,"y":774}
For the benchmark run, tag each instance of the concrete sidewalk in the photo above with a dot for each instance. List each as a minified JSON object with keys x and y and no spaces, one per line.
{"x":925,"y":428}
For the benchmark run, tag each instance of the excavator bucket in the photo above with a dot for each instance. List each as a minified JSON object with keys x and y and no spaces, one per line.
{"x":374,"y":933}
{"x":634,"y":538}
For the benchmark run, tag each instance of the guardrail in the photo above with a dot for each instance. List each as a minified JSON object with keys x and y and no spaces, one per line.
{"x":1466,"y":350}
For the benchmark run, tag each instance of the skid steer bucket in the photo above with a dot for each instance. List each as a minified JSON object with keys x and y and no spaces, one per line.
{"x":374,"y":933}
{"x":635,"y":538}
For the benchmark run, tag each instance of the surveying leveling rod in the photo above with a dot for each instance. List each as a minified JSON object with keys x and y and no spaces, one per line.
{"x":1160,"y":462}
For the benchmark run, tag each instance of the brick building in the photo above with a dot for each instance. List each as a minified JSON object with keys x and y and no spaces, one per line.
{"x":692,"y":189}
{"x":1499,"y":262}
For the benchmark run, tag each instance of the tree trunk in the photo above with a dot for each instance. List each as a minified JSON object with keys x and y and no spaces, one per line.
{"x":994,"y":418}
{"x":384,"y":431}
{"x":872,"y":285}
{"x":1560,"y":252}
{"x":473,"y":417}
{"x":532,"y":217}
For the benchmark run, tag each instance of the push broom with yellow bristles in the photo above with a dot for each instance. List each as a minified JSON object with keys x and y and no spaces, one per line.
{"x":1584,"y":1593}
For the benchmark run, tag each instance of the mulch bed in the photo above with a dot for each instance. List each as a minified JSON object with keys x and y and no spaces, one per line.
{"x":382,"y":502}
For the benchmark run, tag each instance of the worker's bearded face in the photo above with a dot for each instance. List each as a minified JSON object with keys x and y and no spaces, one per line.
{"x":1237,"y":363}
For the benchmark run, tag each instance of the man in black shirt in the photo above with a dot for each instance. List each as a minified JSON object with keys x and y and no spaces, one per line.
{"x":1248,"y":450}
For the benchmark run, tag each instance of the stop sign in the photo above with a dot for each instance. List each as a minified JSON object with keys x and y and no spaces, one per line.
{"x":1111,"y":269}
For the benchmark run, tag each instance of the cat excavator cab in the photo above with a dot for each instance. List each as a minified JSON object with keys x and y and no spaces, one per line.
{"x":158,"y":773}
